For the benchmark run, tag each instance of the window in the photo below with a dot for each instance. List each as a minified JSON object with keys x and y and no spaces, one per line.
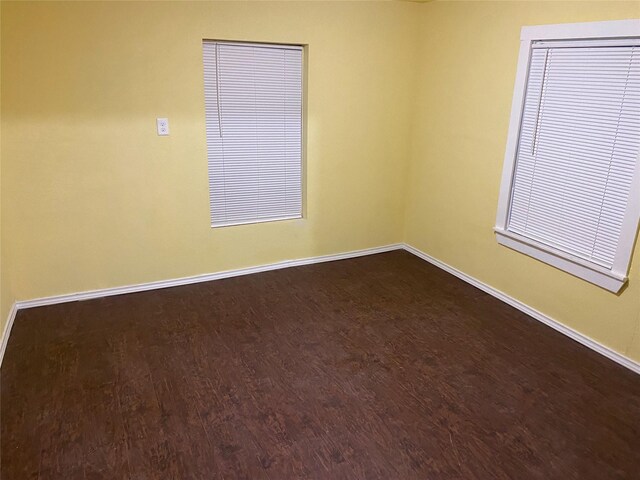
{"x":570,"y":193}
{"x":253,"y":104}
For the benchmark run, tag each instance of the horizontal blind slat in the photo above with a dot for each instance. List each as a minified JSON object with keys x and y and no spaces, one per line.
{"x":253,"y":104}
{"x":577,"y":149}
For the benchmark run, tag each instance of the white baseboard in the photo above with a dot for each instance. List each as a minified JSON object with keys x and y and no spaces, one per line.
{"x":105,"y":292}
{"x":141,"y":287}
{"x":541,"y":317}
{"x":207,"y":277}
{"x":7,"y":331}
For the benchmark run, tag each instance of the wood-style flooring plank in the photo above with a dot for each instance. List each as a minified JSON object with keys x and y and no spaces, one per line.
{"x":380,"y":367}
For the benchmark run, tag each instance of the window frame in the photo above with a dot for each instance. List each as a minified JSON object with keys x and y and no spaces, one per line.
{"x":303,"y":48}
{"x":611,"y":279}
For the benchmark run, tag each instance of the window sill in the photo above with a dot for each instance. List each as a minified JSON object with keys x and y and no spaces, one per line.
{"x":574,"y":265}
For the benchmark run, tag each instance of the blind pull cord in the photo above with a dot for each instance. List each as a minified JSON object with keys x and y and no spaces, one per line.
{"x":218,"y":89}
{"x":536,"y":130}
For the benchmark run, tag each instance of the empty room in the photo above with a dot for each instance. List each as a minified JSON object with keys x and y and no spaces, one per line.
{"x":319,"y":240}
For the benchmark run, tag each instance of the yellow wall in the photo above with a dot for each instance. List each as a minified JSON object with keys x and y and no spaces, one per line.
{"x":93,"y":198}
{"x":467,"y":70}
{"x":4,"y":304}
{"x":6,"y":296}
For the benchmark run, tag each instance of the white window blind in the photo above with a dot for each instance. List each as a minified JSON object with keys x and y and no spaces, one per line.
{"x":578,"y":146}
{"x":253,"y":103}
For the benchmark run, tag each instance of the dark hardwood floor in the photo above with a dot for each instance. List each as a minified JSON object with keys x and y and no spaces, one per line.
{"x":380,"y":367}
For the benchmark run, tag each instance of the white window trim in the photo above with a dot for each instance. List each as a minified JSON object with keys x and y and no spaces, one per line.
{"x":615,"y":278}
